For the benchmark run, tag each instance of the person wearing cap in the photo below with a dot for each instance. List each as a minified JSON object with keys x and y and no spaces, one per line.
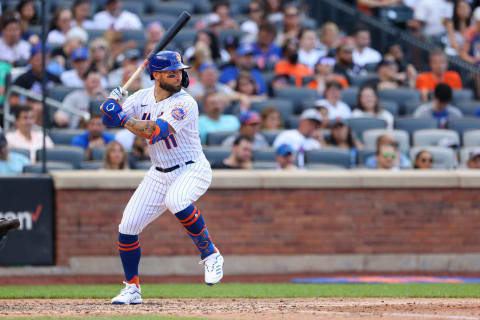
{"x":80,"y":62}
{"x":213,"y":119}
{"x":75,"y":37}
{"x":250,"y":127}
{"x":256,"y":15}
{"x":474,"y":159}
{"x":324,"y":73}
{"x":244,"y":61}
{"x":208,"y":82}
{"x":265,"y":51}
{"x":285,"y":157}
{"x":32,"y":79}
{"x":10,"y":162}
{"x":427,"y":81}
{"x":337,"y":109}
{"x":59,"y":26}
{"x":26,"y":135}
{"x":12,"y":48}
{"x":440,"y":108}
{"x":363,"y":54}
{"x":114,"y":17}
{"x":307,"y":53}
{"x":289,"y":65}
{"x":305,"y":137}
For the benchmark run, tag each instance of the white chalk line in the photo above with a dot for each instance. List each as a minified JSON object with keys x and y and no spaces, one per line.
{"x":394,"y":314}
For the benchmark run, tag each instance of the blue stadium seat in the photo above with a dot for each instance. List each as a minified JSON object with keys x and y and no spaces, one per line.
{"x":471,"y":138}
{"x":461,"y":95}
{"x":59,"y":92}
{"x":64,"y":136}
{"x":363,"y":155}
{"x":271,"y":135}
{"x":264,"y":165}
{"x":216,"y":138}
{"x":137,"y":35}
{"x":409,"y":107}
{"x":143,"y":165}
{"x":370,"y":137}
{"x":51,"y":165}
{"x":174,"y":8}
{"x":185,"y":38}
{"x":69,"y":154}
{"x":401,"y":96}
{"x":390,"y":106}
{"x":215,"y":154}
{"x":413,"y":124}
{"x":469,"y":108}
{"x":264,"y":154}
{"x":134,"y":6}
{"x":463,"y":124}
{"x":432,"y":137}
{"x":359,"y":125}
{"x":98,"y":153}
{"x":333,"y":156}
{"x":296,"y":95}
{"x":165,"y":19}
{"x":91,"y":165}
{"x":94,"y":33}
{"x":349,"y":96}
{"x":285,"y":107}
{"x":322,"y":166}
{"x":443,"y":158}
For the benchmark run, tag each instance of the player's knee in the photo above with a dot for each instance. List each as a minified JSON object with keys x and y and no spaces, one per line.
{"x":174,"y":205}
{"x":128,"y":228}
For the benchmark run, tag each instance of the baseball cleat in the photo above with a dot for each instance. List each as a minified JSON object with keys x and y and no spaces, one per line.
{"x":131,"y":294}
{"x":213,"y":268}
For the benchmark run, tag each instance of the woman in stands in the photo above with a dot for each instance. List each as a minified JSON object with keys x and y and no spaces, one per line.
{"x":423,"y":160}
{"x":271,"y":119}
{"x":247,"y":88}
{"x":81,"y":12}
{"x":28,"y":17}
{"x":115,"y":157}
{"x":100,"y":53}
{"x":59,"y":26}
{"x":368,"y":107}
{"x":341,"y":136}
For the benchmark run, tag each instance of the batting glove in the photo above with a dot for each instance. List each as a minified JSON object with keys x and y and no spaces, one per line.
{"x":119,"y":94}
{"x":113,"y":115}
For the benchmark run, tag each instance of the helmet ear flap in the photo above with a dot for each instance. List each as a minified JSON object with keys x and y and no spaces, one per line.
{"x":185,"y":80}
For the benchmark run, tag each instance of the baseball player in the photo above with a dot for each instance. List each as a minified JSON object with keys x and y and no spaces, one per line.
{"x":167,"y":116}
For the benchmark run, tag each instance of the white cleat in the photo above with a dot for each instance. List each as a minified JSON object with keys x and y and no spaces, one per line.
{"x":213,"y":268}
{"x":131,"y":294}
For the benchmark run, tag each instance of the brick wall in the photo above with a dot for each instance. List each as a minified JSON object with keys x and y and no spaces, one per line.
{"x":283,"y":221}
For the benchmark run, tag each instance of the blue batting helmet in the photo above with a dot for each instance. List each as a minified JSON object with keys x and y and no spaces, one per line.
{"x":168,"y":61}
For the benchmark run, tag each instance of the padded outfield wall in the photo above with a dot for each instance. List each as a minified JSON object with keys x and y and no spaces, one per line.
{"x":277,"y":222}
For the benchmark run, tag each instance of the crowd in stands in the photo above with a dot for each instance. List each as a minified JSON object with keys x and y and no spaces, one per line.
{"x":276,"y":88}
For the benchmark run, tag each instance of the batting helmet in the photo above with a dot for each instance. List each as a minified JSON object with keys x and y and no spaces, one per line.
{"x":168,"y":61}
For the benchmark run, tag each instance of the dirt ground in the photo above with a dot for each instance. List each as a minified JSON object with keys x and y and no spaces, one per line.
{"x":255,"y":309}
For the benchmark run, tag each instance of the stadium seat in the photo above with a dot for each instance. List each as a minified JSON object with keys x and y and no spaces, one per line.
{"x":91,"y":165}
{"x":98,"y":153}
{"x":359,"y":125}
{"x":216,"y":138}
{"x":401,"y":96}
{"x":143,"y":165}
{"x":264,"y":165}
{"x":292,"y":122}
{"x":443,"y":158}
{"x":165,"y":19}
{"x":271,"y":135}
{"x":69,"y":154}
{"x":64,"y":136}
{"x":174,"y":8}
{"x":268,"y":76}
{"x":359,"y":81}
{"x":285,"y":107}
{"x":95,"y":105}
{"x":370,"y":138}
{"x":413,"y":124}
{"x":363,"y":155}
{"x":308,"y":103}
{"x":471,"y":138}
{"x":409,"y":107}
{"x":137,"y":35}
{"x":24,"y":152}
{"x":51,"y":165}
{"x":463,"y":124}
{"x":332,"y":156}
{"x":390,"y":106}
{"x":322,"y":166}
{"x":464,"y":154}
{"x":59,"y":92}
{"x":215,"y":154}
{"x":134,"y":6}
{"x":306,"y":80}
{"x":469,"y":108}
{"x":225,"y":33}
{"x":264,"y":154}
{"x":95,"y":33}
{"x":349,"y":96}
{"x":432,"y":137}
{"x":296,"y":95}
{"x":461,"y":95}
{"x":185,"y":38}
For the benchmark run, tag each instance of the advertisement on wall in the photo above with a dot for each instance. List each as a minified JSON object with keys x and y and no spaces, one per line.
{"x":29,"y":199}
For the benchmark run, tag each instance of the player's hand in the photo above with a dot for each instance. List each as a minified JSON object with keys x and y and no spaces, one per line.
{"x":113,"y":115}
{"x":119,"y":94}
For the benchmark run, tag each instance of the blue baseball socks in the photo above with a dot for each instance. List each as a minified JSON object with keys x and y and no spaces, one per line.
{"x":193,"y":223}
{"x":130,"y":253}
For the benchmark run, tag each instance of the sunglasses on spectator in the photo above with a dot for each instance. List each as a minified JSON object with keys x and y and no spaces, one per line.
{"x":426,"y":160}
{"x":387,"y":155}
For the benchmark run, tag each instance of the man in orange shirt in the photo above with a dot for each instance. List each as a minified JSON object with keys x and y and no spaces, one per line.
{"x":427,"y":81}
{"x":289,"y":65}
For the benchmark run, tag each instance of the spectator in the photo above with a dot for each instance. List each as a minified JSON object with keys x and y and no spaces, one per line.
{"x":76,"y":37}
{"x":10,"y":162}
{"x":246,"y":90}
{"x":80,"y":100}
{"x":244,"y":61}
{"x":423,"y":160}
{"x":28,"y":17}
{"x":274,"y":10}
{"x":80,"y":13}
{"x":231,"y":44}
{"x":256,"y":15}
{"x":265,"y":51}
{"x":100,"y":53}
{"x":451,"y":143}
{"x":329,"y":39}
{"x":341,"y":136}
{"x":137,"y":83}
{"x":215,"y":53}
{"x":130,"y":57}
{"x":222,"y":9}
{"x":307,"y":53}
{"x":213,"y":119}
{"x":429,"y":18}
{"x":59,"y":26}
{"x":457,"y":27}
{"x":324,"y":74}
{"x":285,"y":158}
{"x":387,"y":157}
{"x":389,"y":76}
{"x":208,"y":82}
{"x":363,"y":54}
{"x":271,"y":119}
{"x":26,"y":136}
{"x":306,"y":137}
{"x":115,"y":157}
{"x":369,"y":107}
{"x":344,"y":64}
{"x":291,"y":24}
{"x":337,"y":109}
{"x":117,"y":45}
{"x":278,"y":82}
{"x":139,"y":150}
{"x":5,"y":69}
{"x":12,"y":48}
{"x":154,"y":32}
{"x":427,"y":81}
{"x":387,"y":139}
{"x":371,"y":6}
{"x":470,"y":52}
{"x":80,"y":63}
{"x":474,"y":159}
{"x":250,"y":127}
{"x":290,"y":65}
{"x":94,"y":137}
{"x":395,"y":52}
{"x":440,"y":108}
{"x":241,"y":156}
{"x":113,"y":17}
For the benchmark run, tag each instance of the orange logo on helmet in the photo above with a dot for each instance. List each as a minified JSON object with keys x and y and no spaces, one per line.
{"x":179,"y":58}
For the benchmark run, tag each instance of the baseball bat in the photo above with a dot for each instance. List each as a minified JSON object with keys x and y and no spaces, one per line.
{"x":169,"y":35}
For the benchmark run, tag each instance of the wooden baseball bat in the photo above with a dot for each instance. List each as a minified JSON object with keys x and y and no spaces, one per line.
{"x":169,"y":35}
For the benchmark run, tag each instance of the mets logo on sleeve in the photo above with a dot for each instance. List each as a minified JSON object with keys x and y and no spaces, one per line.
{"x":178,"y":113}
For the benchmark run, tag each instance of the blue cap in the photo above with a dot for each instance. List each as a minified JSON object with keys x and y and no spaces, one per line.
{"x":283,"y":150}
{"x":80,"y":53}
{"x":36,"y":48}
{"x":245,"y":49}
{"x":207,"y":65}
{"x":249,"y":117}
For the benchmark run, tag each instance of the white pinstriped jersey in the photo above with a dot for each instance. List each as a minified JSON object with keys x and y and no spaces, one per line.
{"x":180,"y":110}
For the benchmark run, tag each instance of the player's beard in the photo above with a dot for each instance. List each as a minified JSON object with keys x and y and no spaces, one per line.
{"x":169,"y":87}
